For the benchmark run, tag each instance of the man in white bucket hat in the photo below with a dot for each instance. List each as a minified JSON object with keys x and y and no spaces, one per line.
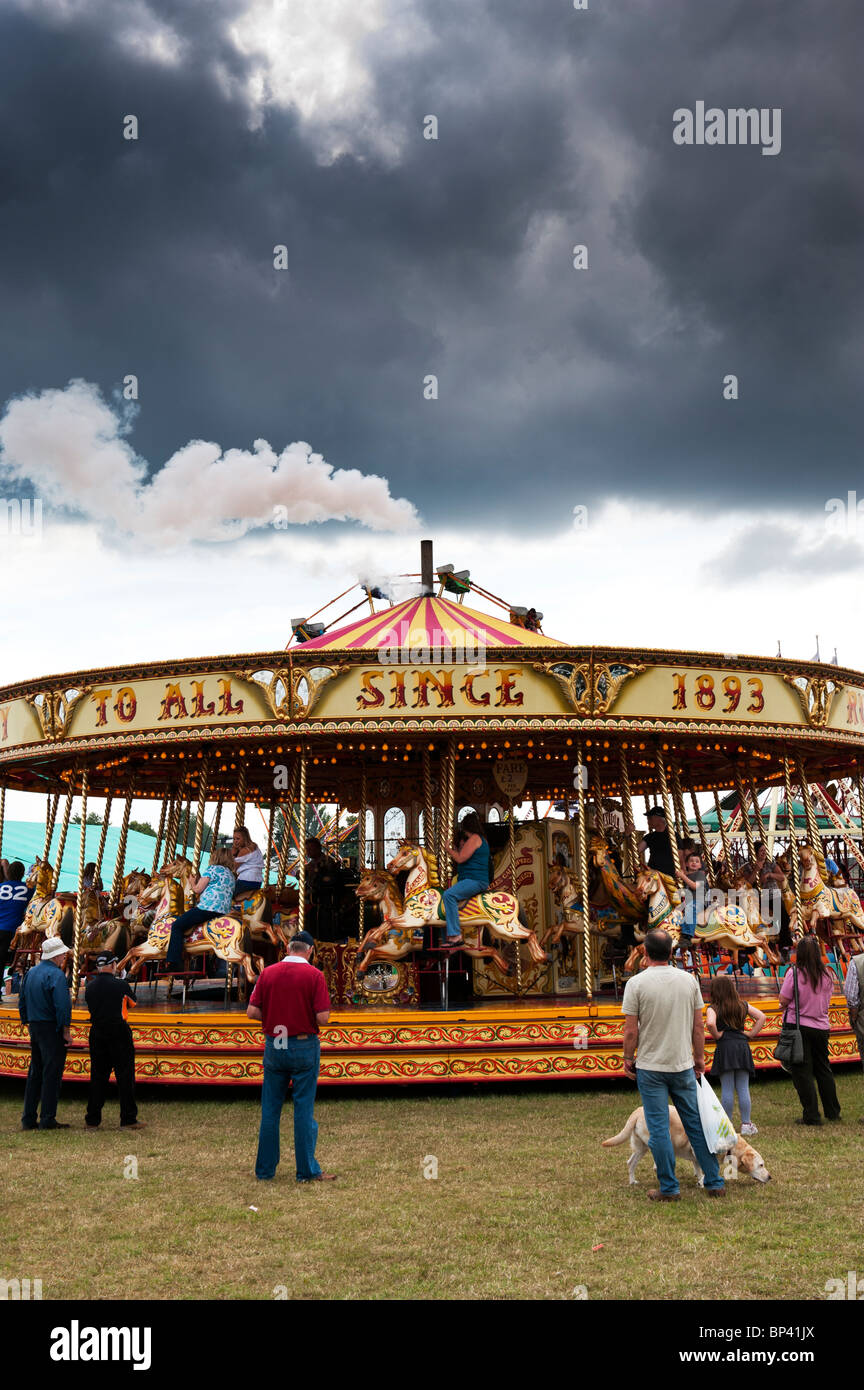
{"x":45,"y":1006}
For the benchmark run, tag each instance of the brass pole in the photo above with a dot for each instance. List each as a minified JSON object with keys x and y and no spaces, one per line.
{"x":599,"y":813}
{"x":361,"y":848}
{"x":2,"y":815}
{"x":159,"y":833}
{"x":203,"y":782}
{"x":301,"y":869}
{"x":287,"y":825}
{"x":428,"y":804}
{"x":216,"y":819}
{"x":61,"y":843}
{"x":184,"y":832}
{"x":721,"y":825}
{"x":171,"y":828}
{"x":660,"y":768}
{"x":240,"y":798}
{"x":79,"y":899}
{"x":51,"y":808}
{"x":270,"y":823}
{"x":859,"y":786}
{"x":678,"y":799}
{"x":629,"y":821}
{"x":757,"y":813}
{"x":745,"y":814}
{"x":513,"y":891}
{"x":707,"y":856}
{"x":583,"y":872}
{"x":810,"y":817}
{"x":794,"y":865}
{"x":103,"y":837}
{"x":120,"y":862}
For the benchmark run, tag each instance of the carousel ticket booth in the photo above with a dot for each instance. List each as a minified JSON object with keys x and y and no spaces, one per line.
{"x":404,"y":719}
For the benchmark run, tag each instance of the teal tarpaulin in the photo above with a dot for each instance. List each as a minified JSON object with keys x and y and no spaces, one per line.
{"x":25,"y":840}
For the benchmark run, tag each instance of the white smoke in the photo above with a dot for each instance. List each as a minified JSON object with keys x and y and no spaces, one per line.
{"x":71,"y":446}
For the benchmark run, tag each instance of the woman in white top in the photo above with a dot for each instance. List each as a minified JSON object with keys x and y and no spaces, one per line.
{"x":249,"y":861}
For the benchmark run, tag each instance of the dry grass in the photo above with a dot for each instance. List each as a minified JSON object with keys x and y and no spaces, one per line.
{"x":523,"y":1194}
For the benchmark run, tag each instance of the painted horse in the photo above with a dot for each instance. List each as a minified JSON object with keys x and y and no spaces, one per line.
{"x":494,"y":909}
{"x":46,"y":914}
{"x":839,"y":909}
{"x":397,"y":935}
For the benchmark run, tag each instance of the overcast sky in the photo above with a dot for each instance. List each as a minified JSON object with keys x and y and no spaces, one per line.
{"x":301,"y":124}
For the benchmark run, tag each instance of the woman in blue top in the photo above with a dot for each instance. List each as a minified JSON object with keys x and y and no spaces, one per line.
{"x":474,"y":859}
{"x":214,"y":891}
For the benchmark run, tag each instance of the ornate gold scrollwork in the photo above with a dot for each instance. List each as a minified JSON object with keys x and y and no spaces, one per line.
{"x":816,"y":695}
{"x":54,"y":709}
{"x":292,"y":692}
{"x":590,"y":688}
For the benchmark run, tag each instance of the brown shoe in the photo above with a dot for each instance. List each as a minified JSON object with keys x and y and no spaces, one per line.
{"x":139,"y":1124}
{"x":655,"y":1195}
{"x":715,"y":1191}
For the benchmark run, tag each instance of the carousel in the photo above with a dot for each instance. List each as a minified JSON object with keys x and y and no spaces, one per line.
{"x":383,"y":728}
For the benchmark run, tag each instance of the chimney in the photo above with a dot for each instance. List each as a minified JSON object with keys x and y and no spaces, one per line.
{"x":426,"y":570}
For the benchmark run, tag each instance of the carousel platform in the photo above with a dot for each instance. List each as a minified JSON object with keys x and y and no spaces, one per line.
{"x":206,"y":1042}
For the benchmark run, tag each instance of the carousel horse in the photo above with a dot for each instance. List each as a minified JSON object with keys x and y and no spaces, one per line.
{"x":787,"y":894}
{"x":612,"y":891}
{"x":494,"y":909}
{"x":566,"y":892}
{"x":660,"y":912}
{"x":726,"y":925}
{"x":221,"y":935}
{"x":116,"y":933}
{"x":46,"y":915}
{"x":394,"y":938}
{"x":821,"y":903}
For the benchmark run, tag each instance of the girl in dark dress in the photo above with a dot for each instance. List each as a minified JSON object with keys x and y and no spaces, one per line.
{"x":733,"y":1063}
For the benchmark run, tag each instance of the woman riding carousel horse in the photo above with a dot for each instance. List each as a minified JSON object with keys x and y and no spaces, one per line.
{"x":470,"y":851}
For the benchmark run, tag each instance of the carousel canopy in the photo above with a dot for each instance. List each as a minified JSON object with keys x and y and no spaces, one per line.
{"x":429,"y":623}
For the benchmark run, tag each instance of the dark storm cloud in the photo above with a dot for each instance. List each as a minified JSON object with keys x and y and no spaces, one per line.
{"x":556,"y":386}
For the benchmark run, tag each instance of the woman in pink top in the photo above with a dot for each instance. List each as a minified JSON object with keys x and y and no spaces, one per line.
{"x":815,"y":987}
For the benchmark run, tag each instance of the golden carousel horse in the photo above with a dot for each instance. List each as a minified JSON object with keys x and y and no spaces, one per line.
{"x":566,"y":890}
{"x":823,"y":903}
{"x":395,"y":938}
{"x":46,"y":913}
{"x":115,"y":933}
{"x":664,"y":910}
{"x":423,"y":903}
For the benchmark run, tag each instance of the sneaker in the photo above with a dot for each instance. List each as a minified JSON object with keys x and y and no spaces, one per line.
{"x":749,"y":1129}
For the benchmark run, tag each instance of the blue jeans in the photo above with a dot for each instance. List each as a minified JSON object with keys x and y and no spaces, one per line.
{"x":457,"y":893}
{"x":297,"y":1061}
{"x":658,"y":1090}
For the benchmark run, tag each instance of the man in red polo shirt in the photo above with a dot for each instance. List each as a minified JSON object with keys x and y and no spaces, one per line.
{"x":291,"y":1001}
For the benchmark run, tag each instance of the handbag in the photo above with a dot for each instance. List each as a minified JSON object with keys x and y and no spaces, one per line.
{"x":790,"y":1045}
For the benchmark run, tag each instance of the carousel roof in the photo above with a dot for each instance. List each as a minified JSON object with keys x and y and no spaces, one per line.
{"x":428,"y":622}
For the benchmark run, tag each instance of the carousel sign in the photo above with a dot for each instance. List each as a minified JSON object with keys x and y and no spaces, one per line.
{"x":511,"y":775}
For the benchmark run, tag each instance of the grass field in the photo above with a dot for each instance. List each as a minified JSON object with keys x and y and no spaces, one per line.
{"x":523,"y":1199}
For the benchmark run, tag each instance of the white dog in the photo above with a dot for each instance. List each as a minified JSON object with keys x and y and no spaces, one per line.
{"x":636,"y":1130}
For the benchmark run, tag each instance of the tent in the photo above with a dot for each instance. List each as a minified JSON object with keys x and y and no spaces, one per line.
{"x":25,"y":840}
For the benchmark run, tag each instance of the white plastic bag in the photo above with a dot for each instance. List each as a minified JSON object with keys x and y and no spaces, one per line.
{"x":716,"y":1126}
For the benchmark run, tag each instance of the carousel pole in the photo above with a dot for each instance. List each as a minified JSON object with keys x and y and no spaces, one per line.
{"x":724,"y":840}
{"x":53,"y":803}
{"x":103,"y":837}
{"x":583,"y":874}
{"x":184,"y":833}
{"x":448,"y":813}
{"x":160,"y":832}
{"x":2,"y":815}
{"x":361,"y":848}
{"x":757,"y":812}
{"x":513,"y":891}
{"x":203,"y":781}
{"x":859,"y":787}
{"x":270,"y":823}
{"x":216,"y":819}
{"x":629,"y":822}
{"x":120,"y":862}
{"x":428,"y":804}
{"x":660,"y":769}
{"x":810,"y":818}
{"x":745,"y":814}
{"x":79,"y":897}
{"x":170,"y":827}
{"x":599,"y":813}
{"x":707,"y":857}
{"x":301,"y":867}
{"x":794,"y":865}
{"x":240,"y":798}
{"x":678,"y":799}
{"x":287,"y":825}
{"x":61,"y":843}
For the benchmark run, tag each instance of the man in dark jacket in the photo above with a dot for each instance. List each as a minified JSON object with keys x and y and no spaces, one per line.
{"x":44,"y":1005}
{"x":111,"y":1044}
